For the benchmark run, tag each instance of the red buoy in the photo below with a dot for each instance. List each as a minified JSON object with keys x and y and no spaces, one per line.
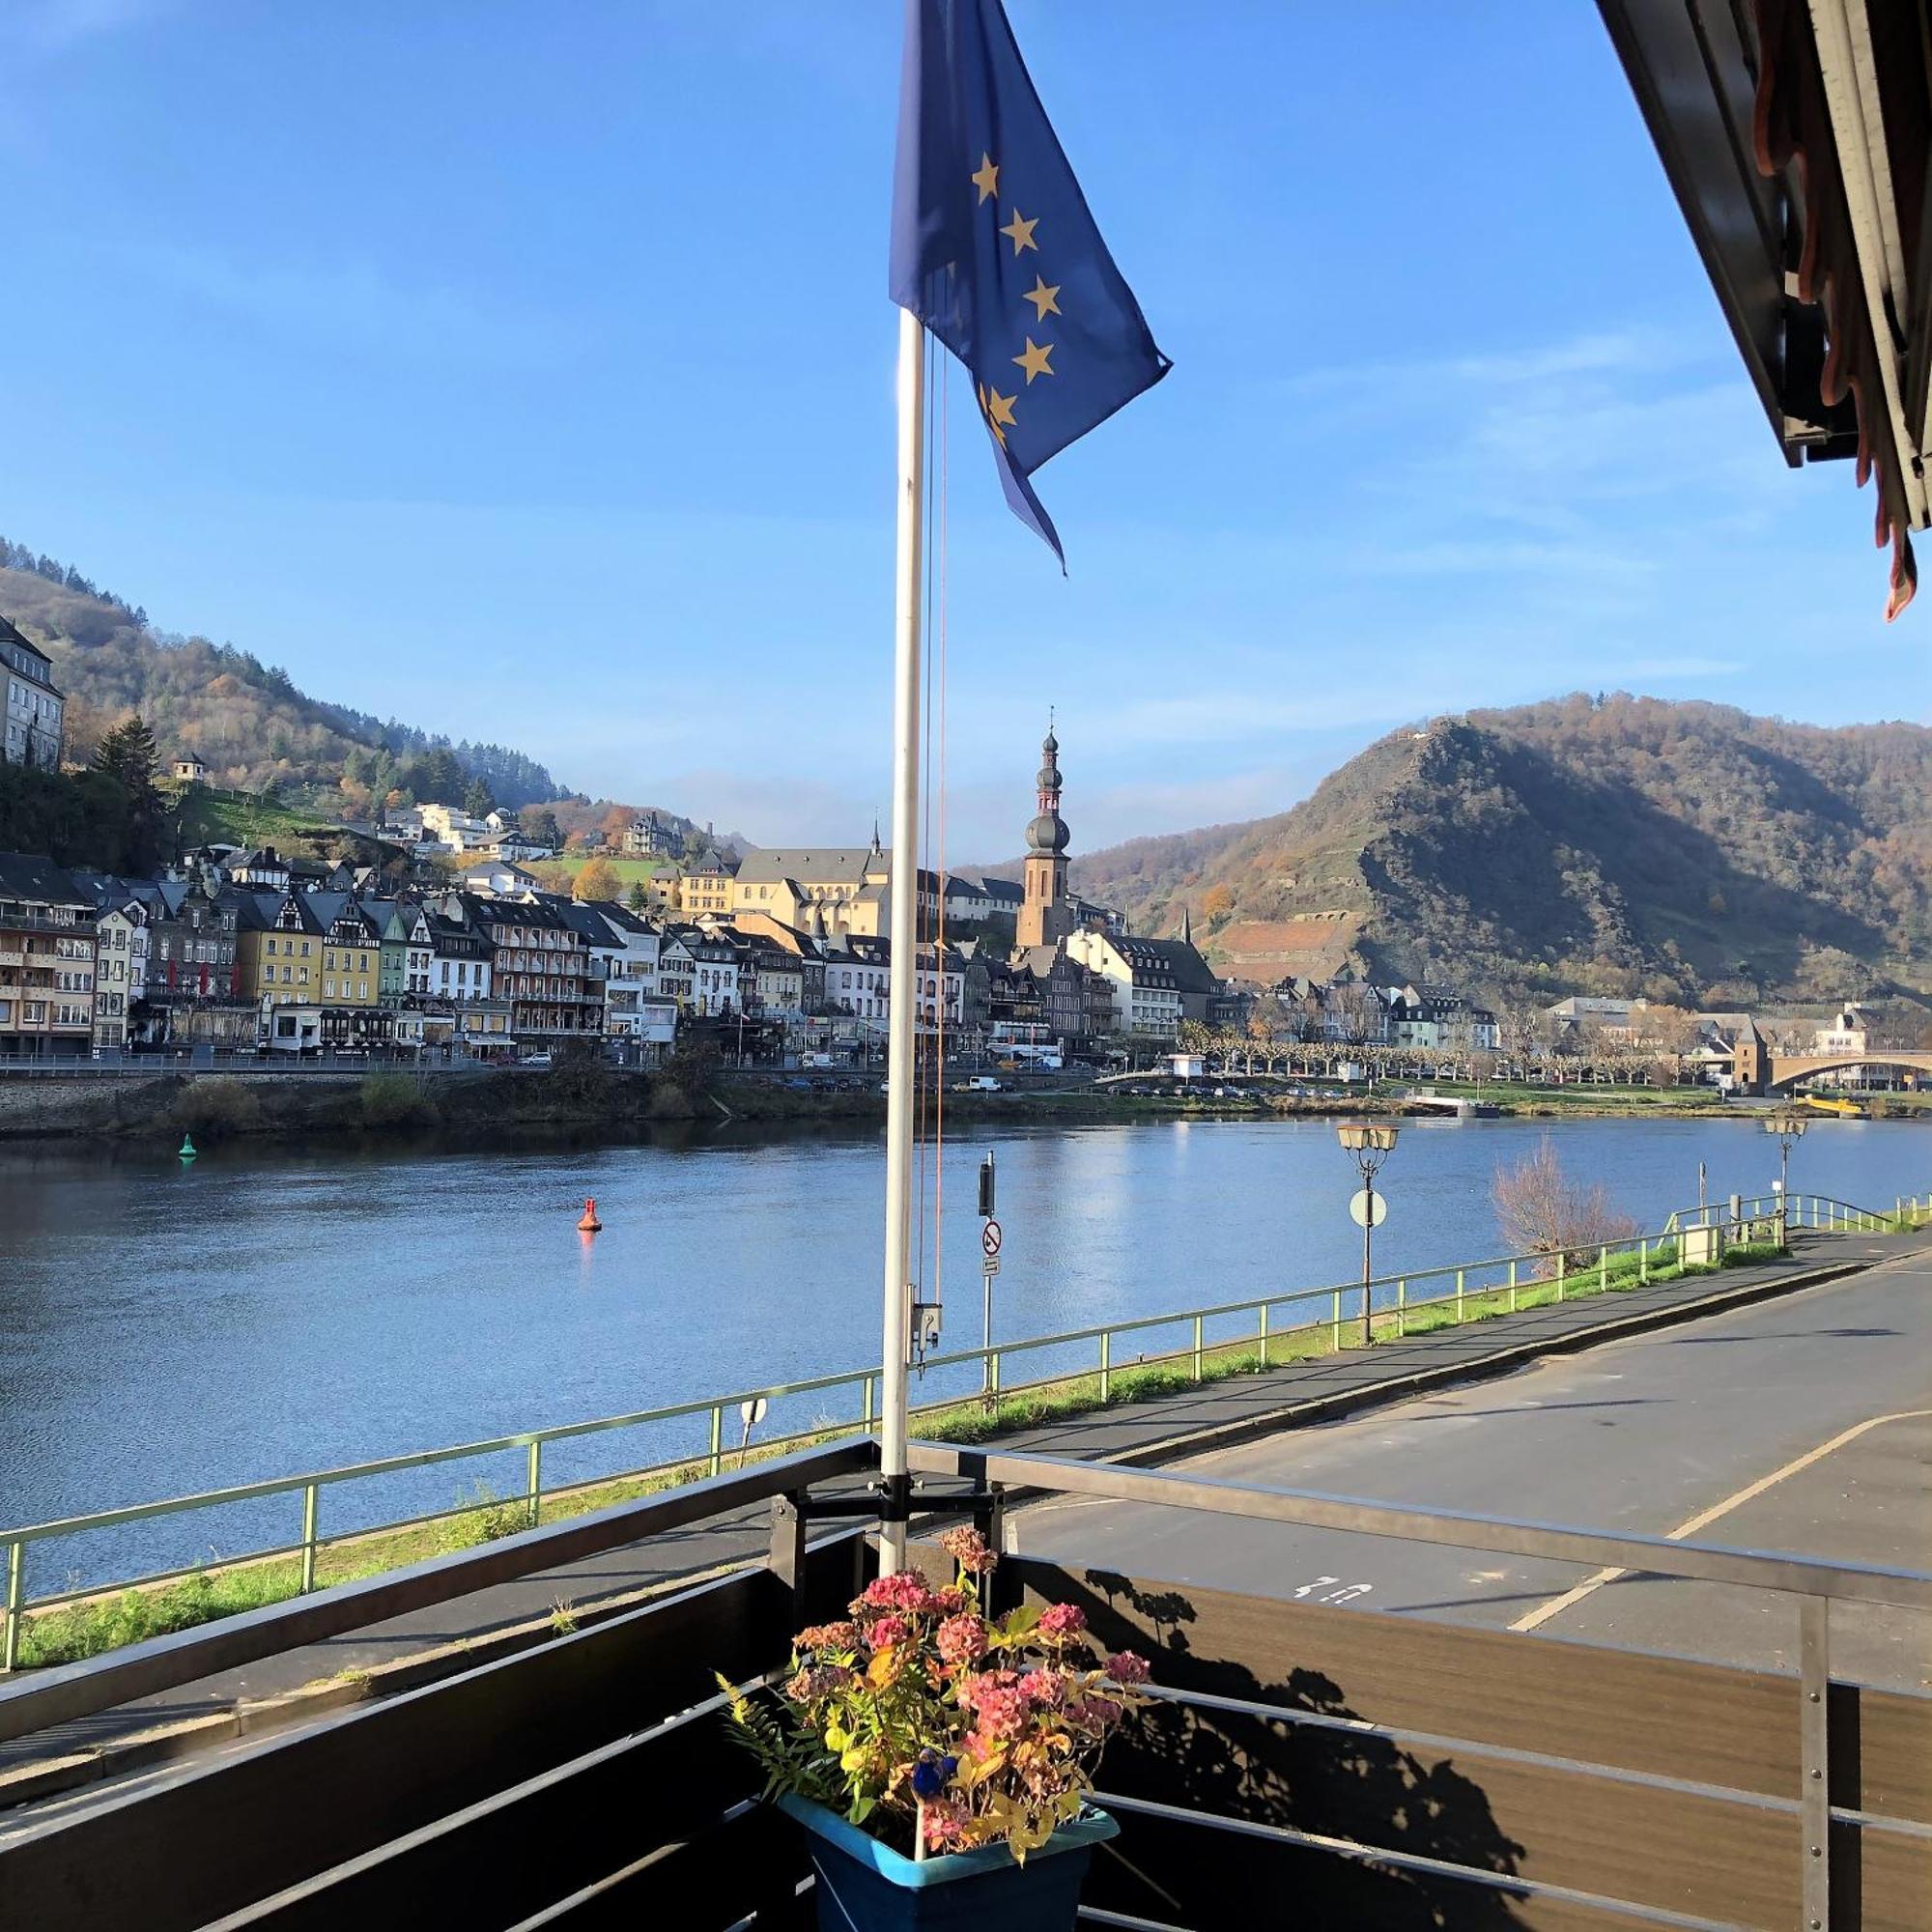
{"x":590,"y":1224}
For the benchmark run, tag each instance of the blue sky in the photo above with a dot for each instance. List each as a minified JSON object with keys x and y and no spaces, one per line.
{"x":527,"y":373}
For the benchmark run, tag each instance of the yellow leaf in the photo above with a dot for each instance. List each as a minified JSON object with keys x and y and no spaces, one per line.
{"x":854,"y":1759}
{"x":882,"y":1669}
{"x":837,"y":1737}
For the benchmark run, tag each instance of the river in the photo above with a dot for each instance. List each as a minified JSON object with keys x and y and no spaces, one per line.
{"x":166,"y":1329}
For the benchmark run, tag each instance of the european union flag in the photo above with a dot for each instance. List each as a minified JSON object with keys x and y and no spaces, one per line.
{"x":994,"y":250}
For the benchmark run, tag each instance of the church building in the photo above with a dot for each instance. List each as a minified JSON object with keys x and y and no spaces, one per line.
{"x":1046,"y":912}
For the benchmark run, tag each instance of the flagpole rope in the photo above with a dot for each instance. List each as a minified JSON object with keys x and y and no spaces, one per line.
{"x":920,"y":1070}
{"x":939,"y":873}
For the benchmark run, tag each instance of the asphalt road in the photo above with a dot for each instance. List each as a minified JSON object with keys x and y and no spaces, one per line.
{"x":1802,"y":1424}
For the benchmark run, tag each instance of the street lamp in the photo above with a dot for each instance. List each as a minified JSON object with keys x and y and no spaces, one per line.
{"x":1370,"y":1145}
{"x":1788,"y":1128}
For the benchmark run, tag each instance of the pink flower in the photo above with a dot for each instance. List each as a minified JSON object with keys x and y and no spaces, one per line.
{"x":948,"y":1603}
{"x":1126,"y":1668}
{"x":996,"y":1699}
{"x":841,"y":1636}
{"x":1046,"y":1688}
{"x":961,"y":1639}
{"x":903,"y":1590}
{"x":887,"y":1632}
{"x":819,"y":1679}
{"x":1060,"y":1623}
{"x":968,"y":1549}
{"x":946,"y":1821}
{"x":1095,"y":1716}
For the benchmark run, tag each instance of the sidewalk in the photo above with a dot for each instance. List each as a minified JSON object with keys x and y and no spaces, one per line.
{"x":1211,"y":1415}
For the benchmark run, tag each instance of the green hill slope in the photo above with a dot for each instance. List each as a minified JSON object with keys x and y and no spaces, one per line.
{"x":244,"y":719}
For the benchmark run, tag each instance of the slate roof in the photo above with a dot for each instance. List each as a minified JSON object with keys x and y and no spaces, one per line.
{"x":26,"y":875}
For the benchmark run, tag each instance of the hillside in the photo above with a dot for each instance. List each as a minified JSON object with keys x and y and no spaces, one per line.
{"x":1623,"y":844}
{"x":244,"y":719}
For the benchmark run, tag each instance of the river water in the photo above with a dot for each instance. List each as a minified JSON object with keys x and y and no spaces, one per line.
{"x":166,"y":1329}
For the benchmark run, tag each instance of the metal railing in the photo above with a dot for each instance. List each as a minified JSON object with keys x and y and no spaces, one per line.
{"x":1207,"y":1340}
{"x":1803,"y":1212}
{"x":1814,"y":1584}
{"x":1816,"y":1796}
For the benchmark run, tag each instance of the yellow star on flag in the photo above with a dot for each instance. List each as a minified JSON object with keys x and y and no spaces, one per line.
{"x":1035,"y":361}
{"x":1042,"y":298}
{"x":1022,"y":233}
{"x":987,"y":179}
{"x":998,"y":411}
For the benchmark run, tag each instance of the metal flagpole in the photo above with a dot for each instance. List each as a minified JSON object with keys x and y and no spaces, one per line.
{"x":901,"y":1010}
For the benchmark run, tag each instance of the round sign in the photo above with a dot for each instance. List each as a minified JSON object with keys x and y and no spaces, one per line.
{"x":751,"y":1413}
{"x":990,"y":1238}
{"x":1368,"y":1210}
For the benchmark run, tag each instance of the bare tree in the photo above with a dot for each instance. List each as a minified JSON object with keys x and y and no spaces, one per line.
{"x":1542,"y":1212}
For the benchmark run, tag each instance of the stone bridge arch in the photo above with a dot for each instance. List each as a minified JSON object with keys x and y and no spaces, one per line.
{"x":1787,"y":1068}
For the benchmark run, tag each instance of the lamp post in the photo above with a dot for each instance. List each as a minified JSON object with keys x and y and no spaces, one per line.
{"x":1370,"y":1145}
{"x":1787,"y":1128}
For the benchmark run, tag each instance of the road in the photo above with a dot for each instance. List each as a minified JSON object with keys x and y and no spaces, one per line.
{"x":1802,"y":1424}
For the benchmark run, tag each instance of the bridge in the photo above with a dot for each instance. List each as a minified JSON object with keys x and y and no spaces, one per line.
{"x":1785,"y":1069}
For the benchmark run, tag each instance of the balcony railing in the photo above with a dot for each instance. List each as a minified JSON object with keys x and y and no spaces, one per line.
{"x":1299,"y":1763}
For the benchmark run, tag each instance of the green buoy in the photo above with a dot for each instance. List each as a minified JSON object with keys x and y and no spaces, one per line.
{"x":186,"y":1147}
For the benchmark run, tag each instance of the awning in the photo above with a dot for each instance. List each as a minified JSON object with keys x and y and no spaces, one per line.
{"x":1797,"y":137}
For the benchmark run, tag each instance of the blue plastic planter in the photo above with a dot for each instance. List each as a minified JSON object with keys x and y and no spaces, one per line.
{"x":867,"y":1887}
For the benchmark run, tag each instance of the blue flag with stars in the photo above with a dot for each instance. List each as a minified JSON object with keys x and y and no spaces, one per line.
{"x":994,"y":249}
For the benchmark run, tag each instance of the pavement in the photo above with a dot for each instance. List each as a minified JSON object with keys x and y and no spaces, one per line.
{"x":1700,"y":1410}
{"x":1800,"y":1425}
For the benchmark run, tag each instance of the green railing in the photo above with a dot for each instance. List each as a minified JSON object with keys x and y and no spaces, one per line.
{"x":1391,"y":1304}
{"x":1804,"y":1210}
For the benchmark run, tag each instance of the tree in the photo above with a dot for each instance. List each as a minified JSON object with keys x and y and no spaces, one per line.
{"x":636,"y":899}
{"x":1218,"y":903}
{"x":477,"y":799}
{"x":598,"y":880}
{"x":127,"y":753}
{"x":1541,"y":1210}
{"x":540,"y":826}
{"x":127,"y":756}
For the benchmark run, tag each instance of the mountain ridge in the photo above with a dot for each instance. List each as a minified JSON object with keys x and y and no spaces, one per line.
{"x":1616,"y":844}
{"x":246,"y":719}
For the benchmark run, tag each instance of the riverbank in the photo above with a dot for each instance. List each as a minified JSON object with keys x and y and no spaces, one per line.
{"x":595,"y":1099}
{"x":109,"y":1618}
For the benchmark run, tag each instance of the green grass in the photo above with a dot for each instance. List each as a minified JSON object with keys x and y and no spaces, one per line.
{"x":242,"y":821}
{"x":69,"y":1633}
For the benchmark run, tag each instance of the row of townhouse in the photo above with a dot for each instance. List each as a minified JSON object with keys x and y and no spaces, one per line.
{"x":1353,"y":1011}
{"x":255,"y":953}
{"x":88,"y":961}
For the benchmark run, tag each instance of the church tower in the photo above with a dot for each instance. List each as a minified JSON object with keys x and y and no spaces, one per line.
{"x":1045,"y":916}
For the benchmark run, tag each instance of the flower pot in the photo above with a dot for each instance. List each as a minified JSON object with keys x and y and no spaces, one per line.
{"x":867,"y":1887}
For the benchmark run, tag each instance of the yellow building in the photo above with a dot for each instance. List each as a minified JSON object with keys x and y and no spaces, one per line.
{"x":278,"y":949}
{"x":351,"y":957}
{"x":285,"y":955}
{"x":706,"y":887}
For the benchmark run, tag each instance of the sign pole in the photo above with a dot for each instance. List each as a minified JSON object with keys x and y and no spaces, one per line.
{"x":902,"y":984}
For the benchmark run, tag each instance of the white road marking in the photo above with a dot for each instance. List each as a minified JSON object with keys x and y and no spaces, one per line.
{"x":1543,"y":1613}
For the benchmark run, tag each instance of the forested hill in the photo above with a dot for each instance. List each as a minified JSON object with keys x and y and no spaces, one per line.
{"x":245,"y":720}
{"x":1618,"y":844}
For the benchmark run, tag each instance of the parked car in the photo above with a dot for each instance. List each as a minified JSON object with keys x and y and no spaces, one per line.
{"x":534,"y":1059}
